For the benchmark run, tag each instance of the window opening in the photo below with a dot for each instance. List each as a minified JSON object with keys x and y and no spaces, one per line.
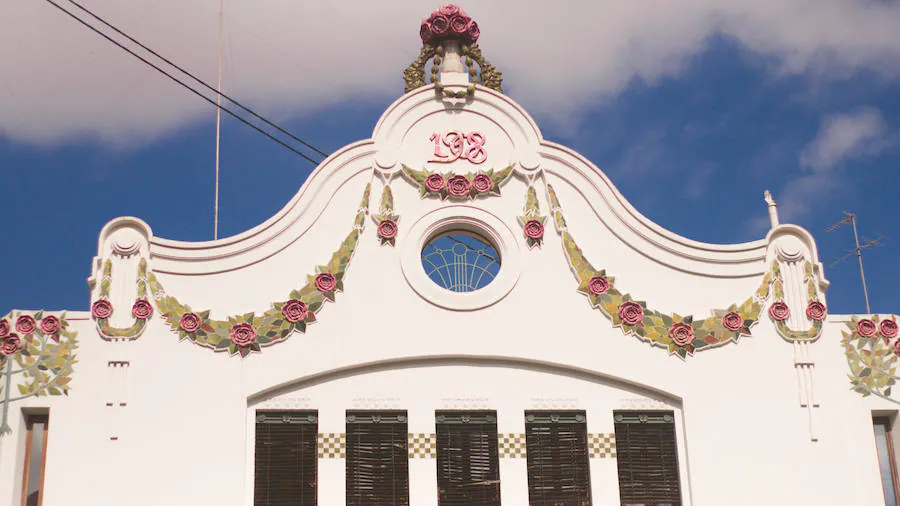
{"x":286,"y":458}
{"x":460,"y":260}
{"x":468,"y":459}
{"x":557,"y":458}
{"x":647,"y":457}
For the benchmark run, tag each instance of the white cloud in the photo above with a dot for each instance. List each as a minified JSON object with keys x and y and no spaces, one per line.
{"x":845,"y":136}
{"x":841,"y":139}
{"x":288,"y":57}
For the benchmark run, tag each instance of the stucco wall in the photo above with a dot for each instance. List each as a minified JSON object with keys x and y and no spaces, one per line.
{"x":184,"y":434}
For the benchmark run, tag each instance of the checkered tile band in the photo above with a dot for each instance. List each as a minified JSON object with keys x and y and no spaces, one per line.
{"x":512,"y":446}
{"x":422,"y":446}
{"x":602,"y":446}
{"x":331,"y":445}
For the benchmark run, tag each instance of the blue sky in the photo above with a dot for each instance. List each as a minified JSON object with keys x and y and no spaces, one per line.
{"x":691,"y":145}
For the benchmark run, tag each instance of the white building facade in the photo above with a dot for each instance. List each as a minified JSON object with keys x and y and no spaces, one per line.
{"x":454,"y":311}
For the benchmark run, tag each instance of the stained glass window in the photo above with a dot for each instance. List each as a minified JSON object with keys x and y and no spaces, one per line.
{"x":461,"y":261}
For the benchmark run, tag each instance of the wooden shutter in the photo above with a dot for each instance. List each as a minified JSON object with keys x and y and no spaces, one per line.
{"x":377,"y":458}
{"x":557,"y":456}
{"x":286,"y":458}
{"x":647,"y":457}
{"x":468,"y":460}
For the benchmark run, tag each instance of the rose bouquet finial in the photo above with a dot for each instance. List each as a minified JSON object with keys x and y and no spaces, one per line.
{"x":449,"y":22}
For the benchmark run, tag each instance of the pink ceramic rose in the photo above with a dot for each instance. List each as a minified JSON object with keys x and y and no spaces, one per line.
{"x":779,"y":311}
{"x":732,"y":321}
{"x":435,"y":183}
{"x":598,"y":285}
{"x":243,"y":334}
{"x":460,"y":24}
{"x":440,"y":25}
{"x":631,"y":313}
{"x":101,"y":309}
{"x":482,"y":183}
{"x":866,"y":327}
{"x":425,"y":31}
{"x":325,"y":282}
{"x":142,"y":309}
{"x":25,"y":324}
{"x":888,"y":328}
{"x":189,"y":322}
{"x":387,"y":229}
{"x":4,"y":328}
{"x":474,"y":32}
{"x":681,"y":333}
{"x":295,"y":311}
{"x":50,"y":325}
{"x":449,"y":10}
{"x":459,"y":186}
{"x":10,"y":345}
{"x":534,"y":229}
{"x":897,"y":347}
{"x":815,"y":311}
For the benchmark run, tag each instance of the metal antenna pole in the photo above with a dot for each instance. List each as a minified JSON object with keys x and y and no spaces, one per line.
{"x":851,"y":219}
{"x":862,"y":273}
{"x":218,"y":121}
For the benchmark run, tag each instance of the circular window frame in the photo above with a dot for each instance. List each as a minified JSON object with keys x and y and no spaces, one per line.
{"x":474,"y":220}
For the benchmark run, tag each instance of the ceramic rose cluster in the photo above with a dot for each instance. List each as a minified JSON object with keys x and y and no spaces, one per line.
{"x":449,"y":22}
{"x":887,"y":329}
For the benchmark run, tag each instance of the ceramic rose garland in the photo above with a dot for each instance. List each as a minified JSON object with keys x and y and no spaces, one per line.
{"x":872,"y":349}
{"x":680,"y":335}
{"x":243,"y":334}
{"x":458,"y":186}
{"x":43,"y":350}
{"x":141,"y":309}
{"x":780,"y":313}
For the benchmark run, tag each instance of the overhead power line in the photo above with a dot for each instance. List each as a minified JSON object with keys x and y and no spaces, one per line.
{"x":187,"y":86}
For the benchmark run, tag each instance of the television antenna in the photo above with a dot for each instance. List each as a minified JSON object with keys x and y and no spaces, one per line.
{"x":878,"y":241}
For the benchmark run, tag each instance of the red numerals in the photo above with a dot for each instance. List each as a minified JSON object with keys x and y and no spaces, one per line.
{"x":468,"y":146}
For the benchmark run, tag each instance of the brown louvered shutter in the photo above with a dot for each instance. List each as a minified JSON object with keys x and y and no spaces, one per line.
{"x":286,"y":458}
{"x":468,"y":460}
{"x":557,"y":456}
{"x":377,"y":458}
{"x":647,"y":456}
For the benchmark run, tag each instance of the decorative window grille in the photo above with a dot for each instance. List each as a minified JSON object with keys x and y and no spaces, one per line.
{"x":887,"y":462}
{"x":647,"y":456}
{"x":377,"y":458}
{"x":557,"y":458}
{"x":35,"y":459}
{"x":461,"y":261}
{"x":286,"y":458}
{"x":468,"y":458}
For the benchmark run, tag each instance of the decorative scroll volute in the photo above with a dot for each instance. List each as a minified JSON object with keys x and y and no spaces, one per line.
{"x":120,"y":304}
{"x":798,"y":302}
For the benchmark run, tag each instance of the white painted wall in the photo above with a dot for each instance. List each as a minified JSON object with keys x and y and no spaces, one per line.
{"x":185,"y":435}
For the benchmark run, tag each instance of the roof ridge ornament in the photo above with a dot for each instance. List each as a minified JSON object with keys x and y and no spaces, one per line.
{"x":450,"y":38}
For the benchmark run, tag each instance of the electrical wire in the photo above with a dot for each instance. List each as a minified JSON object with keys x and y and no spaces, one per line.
{"x":195,"y":78}
{"x":188,"y":87}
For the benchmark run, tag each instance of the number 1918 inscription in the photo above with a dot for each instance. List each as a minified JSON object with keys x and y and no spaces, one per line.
{"x":468,"y":146}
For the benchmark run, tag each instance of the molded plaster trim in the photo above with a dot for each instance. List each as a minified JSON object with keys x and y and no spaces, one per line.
{"x":542,"y":366}
{"x":269,"y":238}
{"x":638,"y":232}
